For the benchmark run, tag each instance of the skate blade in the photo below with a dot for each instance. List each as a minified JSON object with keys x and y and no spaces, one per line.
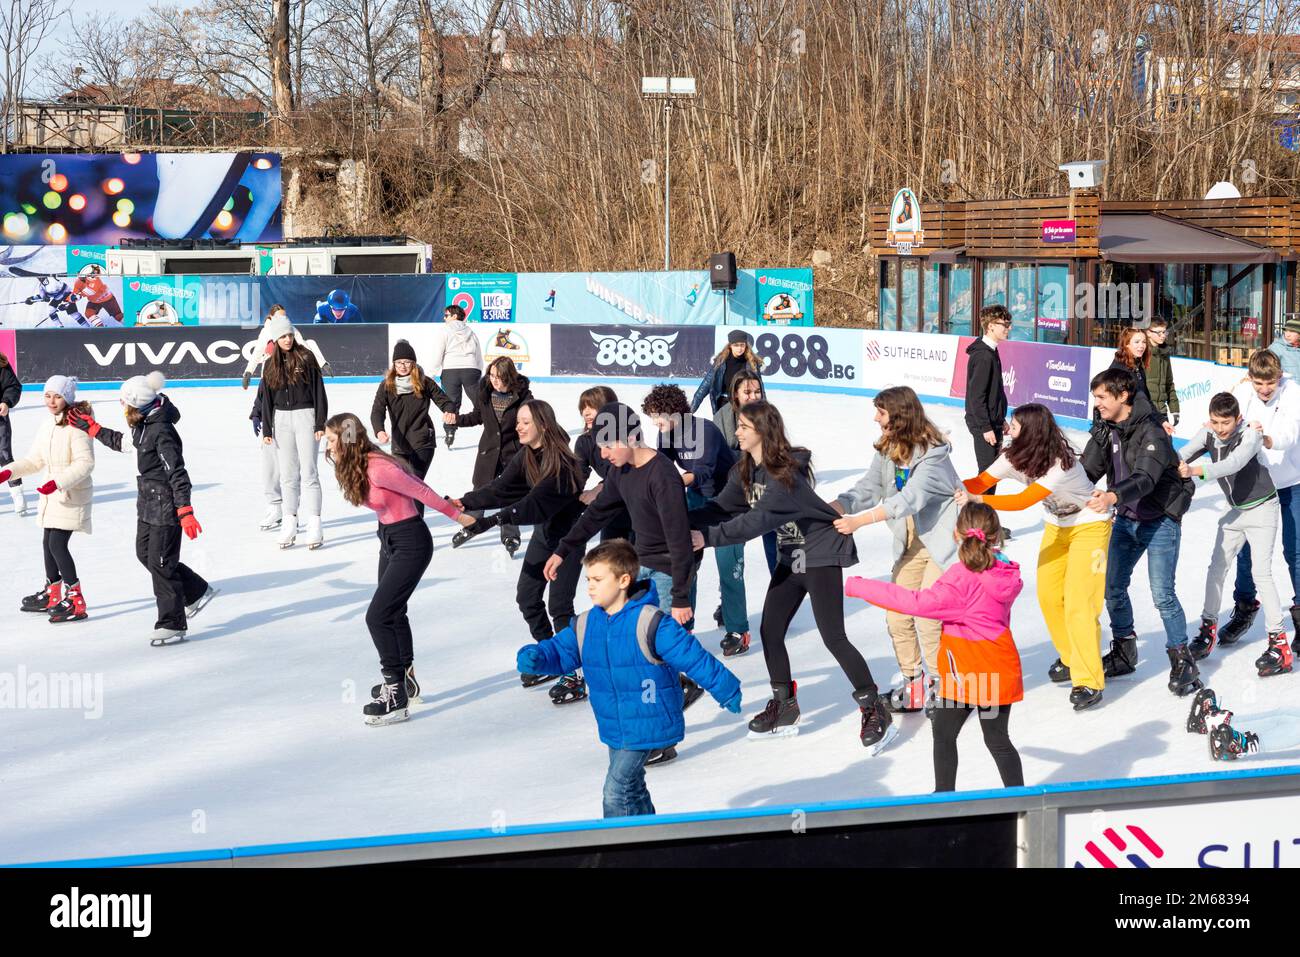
{"x":163,"y":642}
{"x":568,"y":700}
{"x":393,"y":717}
{"x":314,"y":545}
{"x":286,"y":545}
{"x":64,"y":621}
{"x":269,"y":528}
{"x":1185,"y":690}
{"x":202,"y":602}
{"x":1280,"y":671}
{"x":789,"y":731}
{"x":890,"y":734}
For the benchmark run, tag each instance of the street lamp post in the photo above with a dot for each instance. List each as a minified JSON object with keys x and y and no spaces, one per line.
{"x":668,"y":89}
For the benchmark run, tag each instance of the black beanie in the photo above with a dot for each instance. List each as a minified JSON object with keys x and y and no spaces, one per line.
{"x":403,"y":350}
{"x":739,"y":335}
{"x":616,"y":423}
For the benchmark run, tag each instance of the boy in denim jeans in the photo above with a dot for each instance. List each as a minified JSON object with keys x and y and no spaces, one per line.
{"x":632,"y":655}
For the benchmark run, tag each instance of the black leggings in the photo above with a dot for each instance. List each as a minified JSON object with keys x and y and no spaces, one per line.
{"x":948,"y":718}
{"x":419,"y":460}
{"x":405,"y":550}
{"x":532,"y":583}
{"x":825,"y":586}
{"x":59,"y":565}
{"x":7,"y":447}
{"x":454,"y":381}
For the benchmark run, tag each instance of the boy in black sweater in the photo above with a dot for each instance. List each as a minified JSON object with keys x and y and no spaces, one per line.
{"x":986,"y":402}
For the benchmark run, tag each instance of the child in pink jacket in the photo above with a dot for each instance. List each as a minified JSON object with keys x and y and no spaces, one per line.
{"x":978,"y":661}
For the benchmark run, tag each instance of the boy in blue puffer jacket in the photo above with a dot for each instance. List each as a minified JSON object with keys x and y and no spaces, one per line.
{"x":632,"y":655}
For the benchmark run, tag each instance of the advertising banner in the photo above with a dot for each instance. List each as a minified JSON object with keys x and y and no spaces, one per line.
{"x":9,"y":348}
{"x":924,"y":361}
{"x":91,"y":300}
{"x":633,"y":298}
{"x":184,"y":352}
{"x":387,"y":298}
{"x":485,"y":297}
{"x":665,"y":352}
{"x":826,"y":357}
{"x":32,"y":261}
{"x":1250,"y":832}
{"x":65,"y":198}
{"x":776,"y":297}
{"x":1051,"y":375}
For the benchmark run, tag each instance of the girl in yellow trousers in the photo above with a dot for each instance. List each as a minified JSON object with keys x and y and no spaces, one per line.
{"x":1072,"y":555}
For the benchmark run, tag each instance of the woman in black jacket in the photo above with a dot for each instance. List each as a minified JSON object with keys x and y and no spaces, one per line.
{"x":294,"y":410}
{"x":405,"y":396}
{"x":500,"y":394}
{"x":163,"y":508}
{"x":771,"y":487}
{"x":11,"y":390}
{"x":540,"y":486}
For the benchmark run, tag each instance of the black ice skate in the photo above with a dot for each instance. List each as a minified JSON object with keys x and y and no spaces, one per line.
{"x":781,"y":716}
{"x":1201,"y":646}
{"x":392,"y":704}
{"x":1279,"y":657}
{"x":661,"y":756}
{"x":512,"y":545}
{"x":878,"y":728}
{"x":691,"y":692}
{"x":1184,"y":678}
{"x":412,"y":686}
{"x":1228,"y":744}
{"x":1243,"y":616}
{"x":1058,"y":672}
{"x":43,"y":601}
{"x":734,"y":643}
{"x":532,"y":681}
{"x":568,"y":689}
{"x":1122,"y":659}
{"x":1084,"y":697}
{"x":1205,"y":705}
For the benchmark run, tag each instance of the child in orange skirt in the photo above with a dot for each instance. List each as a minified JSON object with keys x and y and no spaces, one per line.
{"x":979,"y":667}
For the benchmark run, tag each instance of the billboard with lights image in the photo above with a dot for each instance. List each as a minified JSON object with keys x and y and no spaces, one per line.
{"x":103,"y":198}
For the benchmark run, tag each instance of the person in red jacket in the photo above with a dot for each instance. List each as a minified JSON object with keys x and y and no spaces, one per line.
{"x":979,"y":663}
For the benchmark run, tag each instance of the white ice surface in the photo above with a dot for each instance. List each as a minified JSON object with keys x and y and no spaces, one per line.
{"x":251,"y":732}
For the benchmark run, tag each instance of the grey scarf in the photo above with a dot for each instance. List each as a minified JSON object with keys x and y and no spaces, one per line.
{"x":403,"y":383}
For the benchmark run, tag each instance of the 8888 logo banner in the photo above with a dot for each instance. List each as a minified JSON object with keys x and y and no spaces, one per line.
{"x":830,"y":357}
{"x":658,"y":351}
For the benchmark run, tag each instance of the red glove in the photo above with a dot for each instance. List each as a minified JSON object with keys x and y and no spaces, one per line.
{"x":47,"y":488}
{"x":189,"y":524}
{"x":84,"y":421}
{"x":4,"y":475}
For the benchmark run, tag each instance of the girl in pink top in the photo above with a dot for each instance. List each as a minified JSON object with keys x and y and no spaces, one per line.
{"x":978,"y":661}
{"x":371,"y":478}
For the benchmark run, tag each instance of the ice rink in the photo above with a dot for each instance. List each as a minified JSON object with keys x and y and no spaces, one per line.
{"x":251,"y":732}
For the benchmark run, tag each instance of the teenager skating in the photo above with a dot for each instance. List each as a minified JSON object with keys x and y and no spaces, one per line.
{"x":163,"y":508}
{"x":67,"y":455}
{"x":371,"y":479}
{"x":404,"y":397}
{"x":294,"y":409}
{"x":772,"y":488}
{"x":457,"y":360}
{"x":539,"y":487}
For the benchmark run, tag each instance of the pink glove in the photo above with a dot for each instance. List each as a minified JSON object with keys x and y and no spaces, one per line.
{"x":47,"y":488}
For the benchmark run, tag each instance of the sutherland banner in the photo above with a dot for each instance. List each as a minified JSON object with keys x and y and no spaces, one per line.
{"x":61,"y":199}
{"x":185,"y":352}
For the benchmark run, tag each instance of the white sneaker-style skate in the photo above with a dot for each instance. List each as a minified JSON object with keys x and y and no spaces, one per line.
{"x":200,"y":603}
{"x":167,"y":636}
{"x":271,"y":520}
{"x":289,"y":531}
{"x":20,"y":499}
{"x":314,"y":536}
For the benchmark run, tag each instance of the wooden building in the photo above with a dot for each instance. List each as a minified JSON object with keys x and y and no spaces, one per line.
{"x":1075,"y":269}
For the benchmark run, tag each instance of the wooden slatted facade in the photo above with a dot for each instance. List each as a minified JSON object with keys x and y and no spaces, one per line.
{"x":977,"y":250}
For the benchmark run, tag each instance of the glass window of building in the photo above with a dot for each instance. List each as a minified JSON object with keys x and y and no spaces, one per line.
{"x":1236,"y":327}
{"x":960,"y":315}
{"x":909,"y":295}
{"x":888,"y":294}
{"x":995,"y":284}
{"x":931,"y":322}
{"x":1053,"y":319}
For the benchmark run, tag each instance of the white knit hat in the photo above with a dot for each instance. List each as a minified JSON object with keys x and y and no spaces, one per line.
{"x":277,"y":326}
{"x":63,"y":385}
{"x":139,"y":391}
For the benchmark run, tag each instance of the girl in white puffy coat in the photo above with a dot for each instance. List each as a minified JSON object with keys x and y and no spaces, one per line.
{"x":68,"y":456}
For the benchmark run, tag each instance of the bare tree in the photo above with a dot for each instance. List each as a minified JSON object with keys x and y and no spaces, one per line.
{"x":24,"y":25}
